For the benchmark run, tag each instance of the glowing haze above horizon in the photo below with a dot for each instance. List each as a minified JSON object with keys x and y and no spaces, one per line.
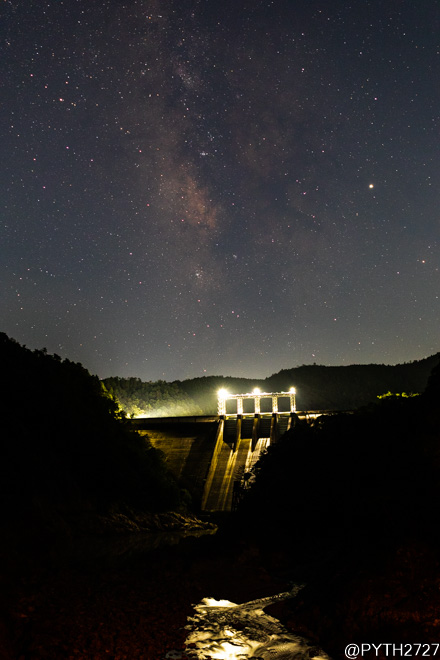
{"x":192,"y":188}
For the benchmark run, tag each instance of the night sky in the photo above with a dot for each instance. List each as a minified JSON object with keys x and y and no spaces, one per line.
{"x":229,"y":187}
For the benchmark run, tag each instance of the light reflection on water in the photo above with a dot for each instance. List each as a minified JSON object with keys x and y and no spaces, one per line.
{"x":224,"y":630}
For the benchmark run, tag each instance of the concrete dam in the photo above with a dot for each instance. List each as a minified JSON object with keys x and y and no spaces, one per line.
{"x":210,"y":455}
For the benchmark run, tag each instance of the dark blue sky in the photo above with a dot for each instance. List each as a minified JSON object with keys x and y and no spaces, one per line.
{"x":196,"y":188}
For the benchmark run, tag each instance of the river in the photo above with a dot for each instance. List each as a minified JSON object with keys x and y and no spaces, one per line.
{"x":227,"y":631}
{"x":134,"y":598}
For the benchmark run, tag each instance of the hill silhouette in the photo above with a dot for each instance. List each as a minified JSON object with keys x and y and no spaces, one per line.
{"x":65,"y":449}
{"x":318,"y":387}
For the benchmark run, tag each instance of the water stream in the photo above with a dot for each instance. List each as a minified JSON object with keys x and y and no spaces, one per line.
{"x":223,"y":630}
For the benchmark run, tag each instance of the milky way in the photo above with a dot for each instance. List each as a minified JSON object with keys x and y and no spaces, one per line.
{"x":203,"y":187}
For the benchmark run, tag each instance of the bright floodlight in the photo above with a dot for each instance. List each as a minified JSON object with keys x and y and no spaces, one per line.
{"x":256,"y":390}
{"x":222,"y":394}
{"x":293,"y":390}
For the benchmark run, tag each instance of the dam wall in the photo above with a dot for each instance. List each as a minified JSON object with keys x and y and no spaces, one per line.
{"x":209,"y":455}
{"x":188,"y":447}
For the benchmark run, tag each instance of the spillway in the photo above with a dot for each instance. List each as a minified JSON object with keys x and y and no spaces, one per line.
{"x":210,"y":455}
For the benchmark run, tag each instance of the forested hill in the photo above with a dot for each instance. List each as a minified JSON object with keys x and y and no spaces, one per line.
{"x":151,"y":399}
{"x":318,"y":388}
{"x":347,"y":388}
{"x":65,"y":450}
{"x":322,"y":388}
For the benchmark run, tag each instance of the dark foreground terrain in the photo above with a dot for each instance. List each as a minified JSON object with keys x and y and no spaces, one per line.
{"x":132,"y":607}
{"x":135,"y":606}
